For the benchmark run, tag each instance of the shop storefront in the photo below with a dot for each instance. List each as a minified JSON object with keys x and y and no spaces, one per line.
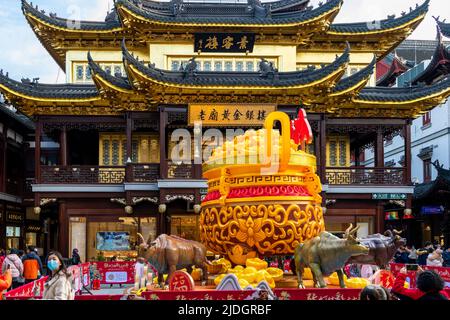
{"x":338,"y":220}
{"x":185,"y":226}
{"x":14,"y":226}
{"x":101,"y":238}
{"x":34,"y":235}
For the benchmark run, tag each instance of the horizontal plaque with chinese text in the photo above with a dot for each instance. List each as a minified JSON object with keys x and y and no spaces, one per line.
{"x":224,"y":42}
{"x":230,"y":114}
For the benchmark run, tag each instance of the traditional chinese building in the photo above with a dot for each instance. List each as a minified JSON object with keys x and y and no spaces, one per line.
{"x":429,"y":143}
{"x":17,"y":228}
{"x":132,"y":81}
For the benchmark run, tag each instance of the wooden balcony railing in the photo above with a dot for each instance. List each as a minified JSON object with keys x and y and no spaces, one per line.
{"x":366,"y":176}
{"x":180,"y":171}
{"x":82,"y":174}
{"x":137,"y":172}
{"x":145,"y":172}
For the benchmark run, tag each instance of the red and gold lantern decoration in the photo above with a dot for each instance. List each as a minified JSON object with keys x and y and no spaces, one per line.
{"x":263,"y":192}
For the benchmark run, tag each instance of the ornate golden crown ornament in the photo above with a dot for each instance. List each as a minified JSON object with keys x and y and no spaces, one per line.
{"x":263,"y":192}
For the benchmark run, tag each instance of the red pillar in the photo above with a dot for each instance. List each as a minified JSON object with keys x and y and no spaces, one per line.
{"x":379,"y":223}
{"x":63,"y":229}
{"x":37,"y":151}
{"x":162,"y":143}
{"x":63,"y":146}
{"x":407,"y":137}
{"x":129,"y":173}
{"x":379,"y":149}
{"x":3,"y":157}
{"x":323,"y":148}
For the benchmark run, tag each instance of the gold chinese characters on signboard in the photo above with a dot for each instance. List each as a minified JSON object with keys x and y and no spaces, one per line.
{"x":230,"y":114}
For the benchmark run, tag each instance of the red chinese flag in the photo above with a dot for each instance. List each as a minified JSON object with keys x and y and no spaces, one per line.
{"x":300,"y":129}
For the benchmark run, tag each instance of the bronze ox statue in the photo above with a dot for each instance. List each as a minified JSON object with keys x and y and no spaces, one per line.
{"x":170,"y":253}
{"x":326,"y":254}
{"x":382,"y":248}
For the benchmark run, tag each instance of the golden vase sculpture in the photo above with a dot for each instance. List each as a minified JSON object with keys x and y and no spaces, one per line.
{"x":263,"y":195}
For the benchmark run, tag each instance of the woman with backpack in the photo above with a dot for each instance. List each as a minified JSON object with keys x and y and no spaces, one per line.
{"x":430,"y":286}
{"x":16,"y":266}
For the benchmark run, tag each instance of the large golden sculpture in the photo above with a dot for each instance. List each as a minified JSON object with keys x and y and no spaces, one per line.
{"x":263,"y":192}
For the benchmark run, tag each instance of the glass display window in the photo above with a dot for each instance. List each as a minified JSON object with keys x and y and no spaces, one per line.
{"x":30,"y":239}
{"x":185,"y":226}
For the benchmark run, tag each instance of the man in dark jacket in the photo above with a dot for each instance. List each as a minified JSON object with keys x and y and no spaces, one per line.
{"x":32,"y":265}
{"x":423,"y":253}
{"x":76,"y":259}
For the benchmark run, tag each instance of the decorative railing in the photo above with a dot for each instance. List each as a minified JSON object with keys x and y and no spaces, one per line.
{"x":366,"y":176}
{"x":180,"y":171}
{"x":82,"y":174}
{"x":145,"y":172}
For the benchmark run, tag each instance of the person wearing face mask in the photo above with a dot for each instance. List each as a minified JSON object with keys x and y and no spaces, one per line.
{"x":59,"y":283}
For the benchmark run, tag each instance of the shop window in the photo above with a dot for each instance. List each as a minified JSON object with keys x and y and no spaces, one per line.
{"x":77,"y":231}
{"x":13,"y":235}
{"x":30,"y":239}
{"x":148,"y":228}
{"x":366,"y":226}
{"x":117,"y":237}
{"x":337,"y":225}
{"x":427,"y":170}
{"x":185,"y":226}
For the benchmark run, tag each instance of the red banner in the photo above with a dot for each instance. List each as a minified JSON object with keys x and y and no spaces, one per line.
{"x":117,"y":272}
{"x":26,"y":291}
{"x":444,"y":272}
{"x":282,"y":294}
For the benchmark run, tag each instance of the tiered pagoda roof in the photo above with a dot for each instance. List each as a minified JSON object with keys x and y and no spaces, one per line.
{"x":431,"y":189}
{"x":138,"y":22}
{"x":397,"y":68}
{"x":144,"y":21}
{"x":319,"y":89}
{"x":444,"y":27}
{"x":439,"y":65}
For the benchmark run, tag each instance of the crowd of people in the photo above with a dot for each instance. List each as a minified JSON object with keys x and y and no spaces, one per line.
{"x":19,"y":268}
{"x":430,"y":255}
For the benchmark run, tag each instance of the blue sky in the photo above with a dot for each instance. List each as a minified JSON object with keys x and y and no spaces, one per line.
{"x":24,"y":56}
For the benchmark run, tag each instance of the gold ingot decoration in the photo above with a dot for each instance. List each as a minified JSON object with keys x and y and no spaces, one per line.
{"x":265,"y":207}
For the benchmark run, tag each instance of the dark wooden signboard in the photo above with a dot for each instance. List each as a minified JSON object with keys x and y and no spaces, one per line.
{"x":224,"y":42}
